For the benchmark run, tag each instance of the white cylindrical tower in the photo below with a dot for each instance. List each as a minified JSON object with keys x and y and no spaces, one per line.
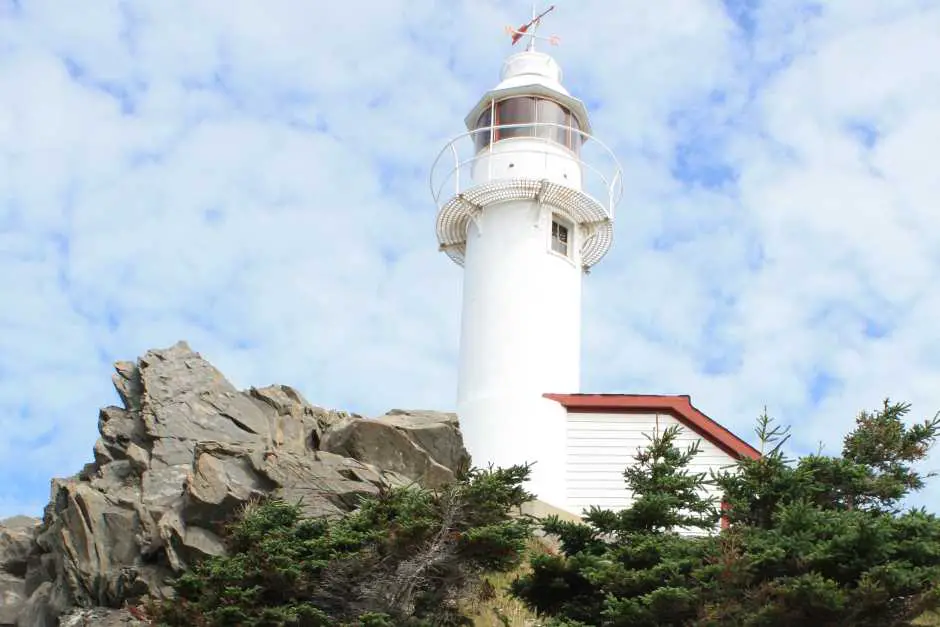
{"x":526,"y":213}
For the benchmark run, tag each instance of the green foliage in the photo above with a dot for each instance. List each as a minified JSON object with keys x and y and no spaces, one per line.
{"x":630,"y":567}
{"x":404,"y":558}
{"x":817,"y":541}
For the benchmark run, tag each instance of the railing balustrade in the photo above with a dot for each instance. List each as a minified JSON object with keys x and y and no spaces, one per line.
{"x":601,"y":175}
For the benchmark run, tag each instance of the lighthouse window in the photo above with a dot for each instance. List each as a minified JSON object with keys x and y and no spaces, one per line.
{"x":515,"y":111}
{"x":543,"y":118}
{"x":559,"y":238}
{"x":574,"y":135}
{"x":484,"y":127}
{"x":551,"y":113}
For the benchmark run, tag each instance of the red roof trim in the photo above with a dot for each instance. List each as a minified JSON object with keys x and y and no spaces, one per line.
{"x":679,"y":406}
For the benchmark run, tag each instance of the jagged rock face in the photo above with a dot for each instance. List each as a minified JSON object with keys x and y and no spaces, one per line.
{"x":17,"y":543}
{"x":425,"y":445}
{"x":177,"y":461}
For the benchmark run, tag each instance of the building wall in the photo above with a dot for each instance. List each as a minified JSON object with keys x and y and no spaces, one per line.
{"x":521,"y":318}
{"x":599,"y":446}
{"x":507,"y":429}
{"x":521,"y":157}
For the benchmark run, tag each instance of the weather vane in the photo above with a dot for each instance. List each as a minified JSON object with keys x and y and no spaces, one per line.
{"x":529,"y":29}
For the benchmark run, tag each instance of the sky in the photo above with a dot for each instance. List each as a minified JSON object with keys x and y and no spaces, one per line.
{"x":253,"y":178}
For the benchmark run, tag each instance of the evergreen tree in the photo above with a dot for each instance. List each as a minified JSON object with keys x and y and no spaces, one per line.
{"x":404,"y":558}
{"x":818,"y":541}
{"x":823,"y":540}
{"x":630,"y":567}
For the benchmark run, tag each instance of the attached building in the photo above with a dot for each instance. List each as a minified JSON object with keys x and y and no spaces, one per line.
{"x":604,"y":432}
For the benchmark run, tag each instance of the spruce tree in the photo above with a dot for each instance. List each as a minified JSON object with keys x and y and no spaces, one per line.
{"x":823,"y":540}
{"x":820,"y":540}
{"x":630,"y":567}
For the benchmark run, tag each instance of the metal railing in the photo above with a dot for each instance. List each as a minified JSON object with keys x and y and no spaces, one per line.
{"x":601,"y":175}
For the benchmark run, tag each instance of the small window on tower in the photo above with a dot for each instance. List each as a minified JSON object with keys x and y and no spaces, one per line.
{"x":559,"y":237}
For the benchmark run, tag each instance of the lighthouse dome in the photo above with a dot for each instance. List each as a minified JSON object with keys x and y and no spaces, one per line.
{"x":531,"y":68}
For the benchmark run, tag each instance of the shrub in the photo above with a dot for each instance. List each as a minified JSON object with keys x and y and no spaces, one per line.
{"x":404,"y":558}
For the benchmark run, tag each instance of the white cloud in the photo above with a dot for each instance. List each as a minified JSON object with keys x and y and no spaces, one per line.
{"x":252,"y":178}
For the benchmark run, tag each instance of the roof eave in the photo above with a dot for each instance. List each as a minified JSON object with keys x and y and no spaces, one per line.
{"x":679,"y":406}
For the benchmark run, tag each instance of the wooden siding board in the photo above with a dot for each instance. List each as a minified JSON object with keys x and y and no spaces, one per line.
{"x":600,"y":447}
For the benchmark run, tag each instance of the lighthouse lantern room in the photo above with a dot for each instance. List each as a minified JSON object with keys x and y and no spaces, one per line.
{"x":526,"y":202}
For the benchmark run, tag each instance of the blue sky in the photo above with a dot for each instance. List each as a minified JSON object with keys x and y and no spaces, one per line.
{"x":252,"y":178}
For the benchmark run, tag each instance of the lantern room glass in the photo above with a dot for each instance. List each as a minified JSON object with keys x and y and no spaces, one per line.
{"x":515,"y":111}
{"x":529,"y":110}
{"x":550,"y":112}
{"x":484,"y":131}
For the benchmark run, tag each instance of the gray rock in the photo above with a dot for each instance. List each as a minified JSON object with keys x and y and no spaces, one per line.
{"x":100,"y":617}
{"x":223,"y":478}
{"x":96,"y":539}
{"x":138,"y":457}
{"x":327,"y":485}
{"x":185,"y":398}
{"x":162,"y":486}
{"x":40,"y":569}
{"x":185,"y":544}
{"x":19,"y":522}
{"x":127,"y":382}
{"x":436,"y":432}
{"x":296,"y":425}
{"x":185,"y":454}
{"x":203,"y":543}
{"x":17,"y":540}
{"x":392,"y":444}
{"x":45,"y":606}
{"x":12,"y":598}
{"x":17,"y":546}
{"x":119,"y":426}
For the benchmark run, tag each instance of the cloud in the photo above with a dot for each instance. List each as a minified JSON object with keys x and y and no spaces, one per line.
{"x":253,"y":178}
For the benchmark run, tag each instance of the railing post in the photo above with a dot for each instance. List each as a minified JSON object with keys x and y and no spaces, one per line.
{"x":545,"y":145}
{"x":618,"y":178}
{"x":453,"y":149}
{"x":489,"y":152}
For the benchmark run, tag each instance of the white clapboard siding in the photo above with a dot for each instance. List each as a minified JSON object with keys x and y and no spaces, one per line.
{"x":601,"y":446}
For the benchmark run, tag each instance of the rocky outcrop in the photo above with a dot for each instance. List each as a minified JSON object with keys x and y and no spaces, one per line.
{"x":422,"y":445}
{"x":17,"y":543}
{"x":176,"y":462}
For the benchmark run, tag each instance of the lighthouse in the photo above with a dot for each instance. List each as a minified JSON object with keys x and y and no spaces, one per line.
{"x":525,"y":202}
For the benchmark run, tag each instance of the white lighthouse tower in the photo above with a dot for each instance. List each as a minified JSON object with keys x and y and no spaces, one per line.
{"x":525,"y":204}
